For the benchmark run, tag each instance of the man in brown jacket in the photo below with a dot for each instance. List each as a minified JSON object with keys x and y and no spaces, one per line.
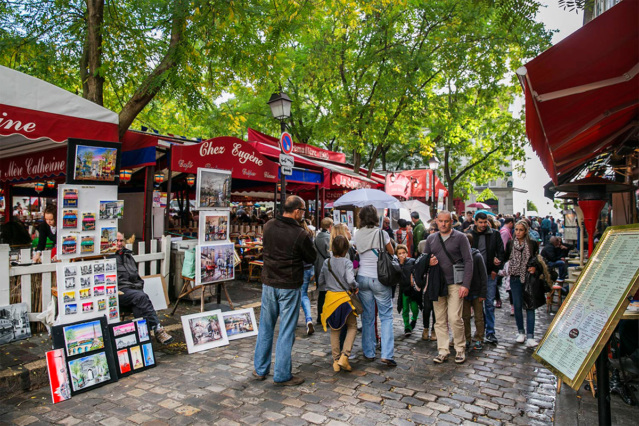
{"x":287,"y":246}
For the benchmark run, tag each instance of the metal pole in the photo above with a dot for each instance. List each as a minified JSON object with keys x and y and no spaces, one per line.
{"x":433,"y":197}
{"x":317,"y":216}
{"x":282,"y":177}
{"x":603,"y":388}
{"x":168,"y":191}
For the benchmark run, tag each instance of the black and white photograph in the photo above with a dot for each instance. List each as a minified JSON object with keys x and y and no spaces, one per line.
{"x":86,"y":269}
{"x":204,"y":330}
{"x":110,"y":266}
{"x":213,"y":188}
{"x":69,"y":282}
{"x":70,"y":271}
{"x":85,"y":282}
{"x":14,"y":323}
{"x":98,"y":268}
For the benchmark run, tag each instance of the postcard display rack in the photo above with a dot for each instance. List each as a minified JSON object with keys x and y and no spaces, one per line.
{"x":132,"y":345}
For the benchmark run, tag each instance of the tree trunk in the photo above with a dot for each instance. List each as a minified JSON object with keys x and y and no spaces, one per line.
{"x":94,"y":76}
{"x":157,"y":79}
{"x":357,"y":161}
{"x":371,"y":163}
{"x":450,"y":182}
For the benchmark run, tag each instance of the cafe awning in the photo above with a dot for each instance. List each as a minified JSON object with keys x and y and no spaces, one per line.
{"x":582,"y":95}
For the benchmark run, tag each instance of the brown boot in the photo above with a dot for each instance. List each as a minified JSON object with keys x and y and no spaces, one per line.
{"x":336,"y":366}
{"x":343,"y":363}
{"x":425,"y":335}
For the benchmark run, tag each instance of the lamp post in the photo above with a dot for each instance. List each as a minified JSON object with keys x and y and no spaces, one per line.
{"x":433,"y":162}
{"x":280,"y":105}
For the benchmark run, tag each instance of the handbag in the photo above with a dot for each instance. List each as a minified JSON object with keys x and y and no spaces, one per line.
{"x":357,"y":304}
{"x":458,"y":268}
{"x":388,"y":269}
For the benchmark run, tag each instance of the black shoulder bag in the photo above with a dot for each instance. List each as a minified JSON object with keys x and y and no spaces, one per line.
{"x":458,"y":268}
{"x":359,"y":308}
{"x":388,"y":269}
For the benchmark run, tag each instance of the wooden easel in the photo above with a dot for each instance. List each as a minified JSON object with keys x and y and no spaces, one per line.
{"x":188,"y":282}
{"x":590,"y":378}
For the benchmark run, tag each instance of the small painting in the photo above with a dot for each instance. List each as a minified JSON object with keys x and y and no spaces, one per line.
{"x":98,"y":268}
{"x":88,"y":221}
{"x":240,"y":323}
{"x":85,"y":282}
{"x":98,"y":290}
{"x":69,"y":244}
{"x":69,"y":219}
{"x":58,"y":378}
{"x":99,"y":280}
{"x":110,"y":266}
{"x":89,"y":371}
{"x":87,"y":245}
{"x":125,"y":341}
{"x":123,"y":361}
{"x":143,"y":330}
{"x":113,"y":301}
{"x":204,"y":330}
{"x":213,"y":188}
{"x":113,"y":314}
{"x":71,"y":309}
{"x":87,"y":307}
{"x":84,"y":294}
{"x":111,"y":209}
{"x":216,"y":263}
{"x":69,"y":296}
{"x":69,"y":282}
{"x":70,"y":198}
{"x":111,"y":289}
{"x":86,"y":269}
{"x":107,"y":239}
{"x":14,"y":323}
{"x":111,"y":280}
{"x":147,"y":351}
{"x":95,"y":163}
{"x":125,"y":328}
{"x":136,"y":357}
{"x":83,"y":338}
{"x":213,"y":226}
{"x":101,"y":304}
{"x":70,"y":271}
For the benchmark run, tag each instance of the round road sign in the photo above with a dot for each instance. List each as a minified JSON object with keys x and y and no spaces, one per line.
{"x":286,"y":143}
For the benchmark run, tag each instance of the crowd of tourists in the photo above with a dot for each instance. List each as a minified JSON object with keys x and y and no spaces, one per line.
{"x":449,"y":271}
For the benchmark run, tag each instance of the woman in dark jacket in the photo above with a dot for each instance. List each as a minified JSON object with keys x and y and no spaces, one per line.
{"x":519,"y":252}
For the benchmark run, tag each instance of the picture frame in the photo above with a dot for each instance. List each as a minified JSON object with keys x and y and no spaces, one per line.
{"x":204,"y":330}
{"x":93,"y":162}
{"x":213,"y":189}
{"x":213,"y":226}
{"x":130,"y":339}
{"x":16,"y":317}
{"x":89,"y":356}
{"x":240,"y":323}
{"x":58,"y":376}
{"x":216,"y":263}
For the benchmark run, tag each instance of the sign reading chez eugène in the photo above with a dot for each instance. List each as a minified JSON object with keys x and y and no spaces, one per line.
{"x":227,"y":153}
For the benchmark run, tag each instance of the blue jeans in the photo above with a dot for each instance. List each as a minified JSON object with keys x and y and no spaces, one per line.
{"x":371,"y":290}
{"x":306,"y":303}
{"x":283,"y":303}
{"x":517,"y":290}
{"x":489,"y":305}
{"x":561,"y":268}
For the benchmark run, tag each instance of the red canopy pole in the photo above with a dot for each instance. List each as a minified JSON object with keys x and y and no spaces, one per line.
{"x":317,"y":217}
{"x":323,"y":202}
{"x":8,"y":208}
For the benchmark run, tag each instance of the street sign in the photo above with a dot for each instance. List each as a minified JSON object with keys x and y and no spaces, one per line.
{"x":286,"y":143}
{"x":287,"y":160}
{"x":287,"y":171}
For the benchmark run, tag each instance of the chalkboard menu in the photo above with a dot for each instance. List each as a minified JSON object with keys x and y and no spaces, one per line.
{"x":589,"y":315}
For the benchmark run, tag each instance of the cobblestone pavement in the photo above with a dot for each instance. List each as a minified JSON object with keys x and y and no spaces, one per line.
{"x":499,"y":385}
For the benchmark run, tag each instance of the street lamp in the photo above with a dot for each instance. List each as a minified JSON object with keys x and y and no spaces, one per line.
{"x":433,"y":163}
{"x":280,"y":105}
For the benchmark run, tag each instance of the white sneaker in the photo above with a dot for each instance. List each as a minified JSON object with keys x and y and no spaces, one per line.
{"x":531,"y":343}
{"x":521,"y":338}
{"x":353,"y":355}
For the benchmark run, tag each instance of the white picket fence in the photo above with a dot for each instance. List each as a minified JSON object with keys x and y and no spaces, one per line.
{"x":155,"y":258}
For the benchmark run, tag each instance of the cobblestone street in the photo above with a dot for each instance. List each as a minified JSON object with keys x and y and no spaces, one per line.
{"x":499,"y":385}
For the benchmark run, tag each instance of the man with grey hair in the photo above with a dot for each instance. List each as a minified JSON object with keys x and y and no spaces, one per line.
{"x":450,"y":250}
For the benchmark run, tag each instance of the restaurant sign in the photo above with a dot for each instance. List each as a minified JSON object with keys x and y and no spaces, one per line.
{"x":226,"y":153}
{"x":42,"y":164}
{"x":347,"y":181}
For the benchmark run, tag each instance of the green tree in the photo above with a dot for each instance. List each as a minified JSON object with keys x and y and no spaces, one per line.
{"x":531,"y":207}
{"x":486,"y":194}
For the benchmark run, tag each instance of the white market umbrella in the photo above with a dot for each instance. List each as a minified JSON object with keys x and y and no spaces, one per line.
{"x":419,"y":207}
{"x":367,"y":197}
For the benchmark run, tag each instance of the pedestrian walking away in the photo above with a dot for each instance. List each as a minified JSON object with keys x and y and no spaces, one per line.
{"x":322,"y":247}
{"x":286,"y":247}
{"x":475,"y":299}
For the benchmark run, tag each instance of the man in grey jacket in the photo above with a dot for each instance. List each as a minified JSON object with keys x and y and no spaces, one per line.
{"x":451,"y":250}
{"x":322,"y":247}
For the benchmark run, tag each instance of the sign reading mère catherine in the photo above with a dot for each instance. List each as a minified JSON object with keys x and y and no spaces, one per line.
{"x":226,"y":153}
{"x":43,"y":164}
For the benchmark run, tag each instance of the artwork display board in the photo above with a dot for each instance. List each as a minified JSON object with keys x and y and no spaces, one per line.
{"x":594,"y":306}
{"x":87,"y":220}
{"x":93,"y":162}
{"x":213,"y":188}
{"x":216,"y":263}
{"x":87,"y":290}
{"x":14,"y":323}
{"x":204,"y":330}
{"x":240,"y":323}
{"x":88,"y":353}
{"x":132,"y":345}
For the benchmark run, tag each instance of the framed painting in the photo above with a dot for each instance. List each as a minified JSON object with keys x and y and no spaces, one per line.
{"x":217,"y":263}
{"x":213,"y":188}
{"x":93,"y":162}
{"x":240,"y":323}
{"x":134,"y":351}
{"x":213,"y":226}
{"x":204,"y":330}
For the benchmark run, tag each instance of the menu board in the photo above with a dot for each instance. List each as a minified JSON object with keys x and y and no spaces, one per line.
{"x":589,"y":315}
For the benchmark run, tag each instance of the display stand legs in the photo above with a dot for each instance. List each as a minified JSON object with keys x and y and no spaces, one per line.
{"x":603,"y":388}
{"x":184,"y":292}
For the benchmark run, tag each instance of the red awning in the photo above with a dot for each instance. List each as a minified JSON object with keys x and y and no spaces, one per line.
{"x":225,"y":153}
{"x":582,"y":95}
{"x":299,"y":148}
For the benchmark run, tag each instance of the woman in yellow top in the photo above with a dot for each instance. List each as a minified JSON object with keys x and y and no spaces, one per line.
{"x":338,"y":310}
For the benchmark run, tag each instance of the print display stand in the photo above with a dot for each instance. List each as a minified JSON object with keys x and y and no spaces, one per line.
{"x":189,"y":282}
{"x":578,"y":336}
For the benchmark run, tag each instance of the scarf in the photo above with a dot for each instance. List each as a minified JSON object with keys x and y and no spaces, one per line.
{"x":519,"y":259}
